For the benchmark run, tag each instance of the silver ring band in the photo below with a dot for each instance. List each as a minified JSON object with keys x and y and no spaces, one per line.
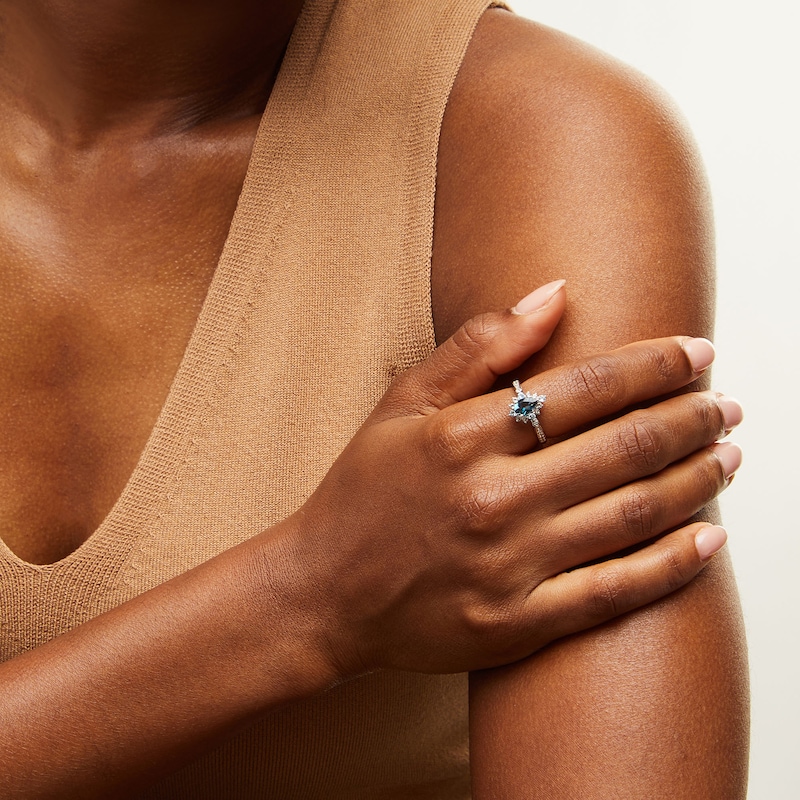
{"x":525,"y":407}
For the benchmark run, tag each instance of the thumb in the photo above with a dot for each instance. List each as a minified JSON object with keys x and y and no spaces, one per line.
{"x":482,"y":349}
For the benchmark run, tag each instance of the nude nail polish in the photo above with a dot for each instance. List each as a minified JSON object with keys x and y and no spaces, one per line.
{"x":710,"y":540}
{"x":700,"y":353}
{"x":538,"y":299}
{"x":732,"y":411}
{"x":729,"y":455}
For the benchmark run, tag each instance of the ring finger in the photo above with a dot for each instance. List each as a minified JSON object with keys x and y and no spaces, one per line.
{"x":598,"y":387}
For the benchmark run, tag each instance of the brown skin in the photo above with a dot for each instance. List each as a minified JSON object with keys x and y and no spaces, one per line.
{"x":107,"y":220}
{"x":557,"y":162}
{"x":114,"y":206}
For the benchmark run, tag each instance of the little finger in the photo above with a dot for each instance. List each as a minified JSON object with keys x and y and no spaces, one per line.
{"x":586,"y":597}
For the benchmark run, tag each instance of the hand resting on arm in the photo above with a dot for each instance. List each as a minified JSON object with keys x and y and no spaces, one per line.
{"x":557,"y":161}
{"x":439,"y":541}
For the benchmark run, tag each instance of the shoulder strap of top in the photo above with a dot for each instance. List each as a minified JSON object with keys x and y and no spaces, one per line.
{"x":361,"y":110}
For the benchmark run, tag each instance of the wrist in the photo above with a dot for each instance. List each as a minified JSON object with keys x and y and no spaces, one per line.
{"x":291,"y":592}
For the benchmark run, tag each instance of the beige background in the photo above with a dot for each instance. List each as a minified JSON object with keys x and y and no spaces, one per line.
{"x":734,"y":69}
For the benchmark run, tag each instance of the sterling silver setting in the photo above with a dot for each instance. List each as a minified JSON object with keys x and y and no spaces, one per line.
{"x":525,"y":407}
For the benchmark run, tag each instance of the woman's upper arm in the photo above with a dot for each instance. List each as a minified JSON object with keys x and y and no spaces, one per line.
{"x":556,"y":162}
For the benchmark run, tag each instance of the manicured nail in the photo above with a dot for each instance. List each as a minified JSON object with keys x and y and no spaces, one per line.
{"x":729,"y":455}
{"x":700,"y":353}
{"x":710,"y":540}
{"x":732,"y":411}
{"x":537,"y":299}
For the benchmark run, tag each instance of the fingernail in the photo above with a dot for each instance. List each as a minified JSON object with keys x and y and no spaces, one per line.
{"x":732,"y":411}
{"x":729,"y":455}
{"x":537,"y":299}
{"x":700,"y":353}
{"x":710,"y":540}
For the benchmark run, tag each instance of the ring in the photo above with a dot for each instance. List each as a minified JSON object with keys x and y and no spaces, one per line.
{"x":525,"y":407}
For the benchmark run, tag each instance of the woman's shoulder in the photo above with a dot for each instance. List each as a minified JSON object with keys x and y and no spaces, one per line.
{"x":551,"y":154}
{"x":511,"y":58}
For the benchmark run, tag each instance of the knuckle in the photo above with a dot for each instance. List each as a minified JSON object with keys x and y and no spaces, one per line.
{"x":474,"y":335}
{"x":450,"y":440}
{"x":477,"y":619}
{"x":403,"y":384}
{"x":607,"y":590}
{"x":641,"y":441}
{"x":481,"y":508}
{"x":637,"y":514}
{"x":600,"y":379}
{"x":483,"y":618}
{"x":496,"y":624}
{"x":665,"y":363}
{"x":404,"y":391}
{"x":673,"y":570}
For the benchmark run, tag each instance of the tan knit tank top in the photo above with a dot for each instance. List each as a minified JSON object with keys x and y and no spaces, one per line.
{"x":321,"y":296}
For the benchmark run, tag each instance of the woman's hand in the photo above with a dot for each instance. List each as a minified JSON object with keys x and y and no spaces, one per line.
{"x":443,"y":537}
{"x":438,"y":542}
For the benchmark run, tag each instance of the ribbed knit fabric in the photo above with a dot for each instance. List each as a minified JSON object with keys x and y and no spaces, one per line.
{"x":321,"y":296}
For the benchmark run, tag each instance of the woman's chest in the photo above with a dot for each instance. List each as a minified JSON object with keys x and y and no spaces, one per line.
{"x":102,"y":277}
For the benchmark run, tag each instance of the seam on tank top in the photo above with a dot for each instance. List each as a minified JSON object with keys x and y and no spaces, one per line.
{"x":261,"y":182}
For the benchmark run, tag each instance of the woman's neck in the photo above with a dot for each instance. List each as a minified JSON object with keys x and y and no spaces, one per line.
{"x":81,"y":69}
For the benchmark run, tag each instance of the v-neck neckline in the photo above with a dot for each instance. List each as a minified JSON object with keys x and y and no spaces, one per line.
{"x":222,"y":307}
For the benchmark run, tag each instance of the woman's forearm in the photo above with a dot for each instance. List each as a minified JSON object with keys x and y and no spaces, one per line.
{"x":141,"y":689}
